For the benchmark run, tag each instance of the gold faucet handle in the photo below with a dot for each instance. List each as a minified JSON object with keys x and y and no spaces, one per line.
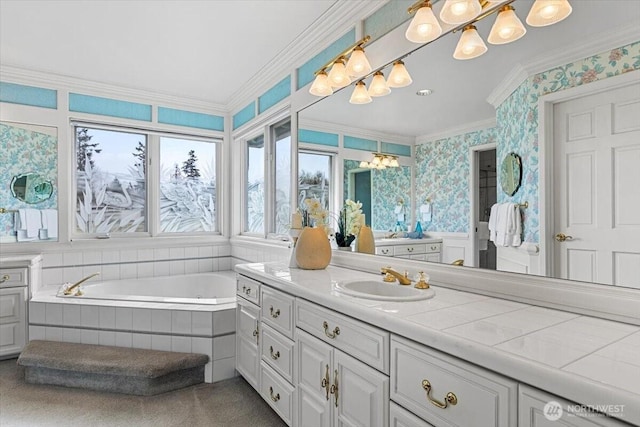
{"x":388,"y":277}
{"x":422,"y":281}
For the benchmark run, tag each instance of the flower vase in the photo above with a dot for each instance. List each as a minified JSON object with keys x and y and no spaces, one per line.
{"x":365,"y":242}
{"x":345,"y":248}
{"x":313,"y":251}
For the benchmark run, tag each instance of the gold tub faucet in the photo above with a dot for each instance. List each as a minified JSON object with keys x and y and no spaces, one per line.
{"x":70,"y":289}
{"x":391,"y":275}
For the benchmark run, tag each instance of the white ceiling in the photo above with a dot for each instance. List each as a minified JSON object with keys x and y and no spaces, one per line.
{"x":461,"y":88}
{"x":205,"y":50}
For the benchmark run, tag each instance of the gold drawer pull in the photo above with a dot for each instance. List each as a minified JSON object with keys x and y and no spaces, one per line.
{"x":275,"y":355}
{"x":256,"y":333}
{"x":385,"y":251}
{"x":274,"y":313}
{"x":332,"y":335}
{"x":248,"y":291}
{"x":274,"y":398}
{"x":409,"y":249}
{"x":450,"y":398}
{"x":325,"y":381}
{"x":5,"y":278}
{"x":334,"y":387}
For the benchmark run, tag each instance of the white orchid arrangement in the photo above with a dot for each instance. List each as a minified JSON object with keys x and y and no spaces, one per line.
{"x":314,"y":214}
{"x":350,"y":219}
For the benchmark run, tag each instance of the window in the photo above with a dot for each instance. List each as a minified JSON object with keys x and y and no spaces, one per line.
{"x":137,"y":182}
{"x":314,"y":172}
{"x":111,"y":181}
{"x":268,"y":181}
{"x":187,"y":185}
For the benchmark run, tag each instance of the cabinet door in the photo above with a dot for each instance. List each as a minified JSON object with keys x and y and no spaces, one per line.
{"x":363,"y":393}
{"x":247,"y":339}
{"x":313,"y":375}
{"x":12,"y":320}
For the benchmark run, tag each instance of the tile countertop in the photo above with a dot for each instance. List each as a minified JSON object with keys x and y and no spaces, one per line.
{"x":406,"y":241}
{"x":584,"y":359}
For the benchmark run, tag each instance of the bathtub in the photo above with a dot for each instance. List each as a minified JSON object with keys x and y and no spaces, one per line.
{"x":191,"y":313}
{"x":202,"y":288}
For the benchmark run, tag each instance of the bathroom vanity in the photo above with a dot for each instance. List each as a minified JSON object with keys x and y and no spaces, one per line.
{"x":19,"y":274}
{"x":323,"y":358}
{"x":426,"y":249}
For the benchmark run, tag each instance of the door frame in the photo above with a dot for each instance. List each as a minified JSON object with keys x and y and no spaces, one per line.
{"x":546,"y":105}
{"x":474,"y":196}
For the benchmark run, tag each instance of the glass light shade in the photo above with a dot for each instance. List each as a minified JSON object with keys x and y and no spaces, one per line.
{"x":364,"y":164}
{"x":507,"y":27}
{"x":381,"y":166}
{"x":547,"y":12}
{"x":321,"y":85}
{"x":358,"y":64}
{"x":360,"y":94}
{"x":457,"y":12}
{"x":470,"y":44}
{"x":386,"y":161}
{"x":378,"y":86}
{"x":376,"y":160}
{"x":424,"y":26}
{"x":399,"y":76}
{"x":338,"y":75}
{"x":394,"y":163}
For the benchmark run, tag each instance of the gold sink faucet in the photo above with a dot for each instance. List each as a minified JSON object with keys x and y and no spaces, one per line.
{"x":70,"y":289}
{"x":391,"y":275}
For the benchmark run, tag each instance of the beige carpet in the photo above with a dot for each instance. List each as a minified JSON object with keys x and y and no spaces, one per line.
{"x":227,"y":403}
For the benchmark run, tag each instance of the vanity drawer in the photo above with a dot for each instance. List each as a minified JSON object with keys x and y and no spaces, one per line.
{"x":433,"y":247}
{"x":384,"y":250}
{"x":483,"y":397}
{"x":400,"y":417}
{"x":248,"y":289}
{"x":277,"y":310}
{"x":12,"y":277}
{"x":362,"y":341}
{"x":400,"y":250}
{"x":277,"y":351}
{"x":278,"y":393}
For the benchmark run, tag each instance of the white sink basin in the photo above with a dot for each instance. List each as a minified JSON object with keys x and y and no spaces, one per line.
{"x":379,"y":290}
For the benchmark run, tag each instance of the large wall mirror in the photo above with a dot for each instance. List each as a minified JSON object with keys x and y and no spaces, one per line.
{"x":460,"y":138}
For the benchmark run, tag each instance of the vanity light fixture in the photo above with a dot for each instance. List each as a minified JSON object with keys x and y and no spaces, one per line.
{"x":463,"y":14}
{"x":424,"y":26}
{"x":381,"y":161}
{"x":340,"y":73}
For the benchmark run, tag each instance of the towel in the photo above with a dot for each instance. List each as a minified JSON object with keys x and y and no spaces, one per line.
{"x":505,"y":224}
{"x":28,"y":224}
{"x":483,"y":235}
{"x":50,"y":222}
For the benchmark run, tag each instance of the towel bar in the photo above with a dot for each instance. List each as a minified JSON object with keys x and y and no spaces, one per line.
{"x":4,"y":210}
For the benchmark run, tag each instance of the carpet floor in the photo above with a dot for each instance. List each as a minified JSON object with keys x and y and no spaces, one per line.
{"x":227,"y":403}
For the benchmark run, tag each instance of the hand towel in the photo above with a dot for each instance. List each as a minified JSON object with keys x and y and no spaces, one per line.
{"x":493,"y":222}
{"x":515,"y":230}
{"x":30,"y":222}
{"x":50,"y":222}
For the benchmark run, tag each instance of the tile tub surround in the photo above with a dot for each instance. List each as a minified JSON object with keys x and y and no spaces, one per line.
{"x":584,"y":359}
{"x":190,"y":328}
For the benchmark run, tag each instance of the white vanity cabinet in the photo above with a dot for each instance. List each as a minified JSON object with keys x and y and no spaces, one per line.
{"x":446,"y":391}
{"x":18,"y":275}
{"x":418,"y":249}
{"x":335,"y":389}
{"x":537,"y":408}
{"x":248,"y":330}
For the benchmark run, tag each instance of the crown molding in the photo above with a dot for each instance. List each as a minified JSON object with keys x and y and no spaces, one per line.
{"x":457,"y":130}
{"x":337,"y":20}
{"x":58,"y":81}
{"x":590,"y":45}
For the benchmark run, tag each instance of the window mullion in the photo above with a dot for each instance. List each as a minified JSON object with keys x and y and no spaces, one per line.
{"x":153,"y":183}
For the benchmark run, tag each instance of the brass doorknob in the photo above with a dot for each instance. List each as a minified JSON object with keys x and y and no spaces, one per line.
{"x":561,"y":237}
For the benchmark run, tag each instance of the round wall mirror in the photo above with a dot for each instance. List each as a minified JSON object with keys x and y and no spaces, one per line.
{"x":511,"y":174}
{"x":31,"y":188}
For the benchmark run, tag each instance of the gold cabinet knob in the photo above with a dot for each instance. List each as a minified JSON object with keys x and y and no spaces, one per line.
{"x":450,"y":398}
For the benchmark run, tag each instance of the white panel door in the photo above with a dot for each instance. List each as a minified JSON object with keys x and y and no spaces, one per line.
{"x":247,"y":339}
{"x":597,"y":187}
{"x":362,"y":393}
{"x":313,"y":368}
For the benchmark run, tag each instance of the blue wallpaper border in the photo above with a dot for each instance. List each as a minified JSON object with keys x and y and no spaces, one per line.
{"x":277,"y":93}
{"x":244,"y":115}
{"x":28,"y":95}
{"x":109,"y":107}
{"x":191,"y":119}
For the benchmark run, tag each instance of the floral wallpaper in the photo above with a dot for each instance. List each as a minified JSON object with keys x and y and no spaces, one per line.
{"x":517,"y":119}
{"x":442,"y":174}
{"x":24,"y":150}
{"x":387,"y":187}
